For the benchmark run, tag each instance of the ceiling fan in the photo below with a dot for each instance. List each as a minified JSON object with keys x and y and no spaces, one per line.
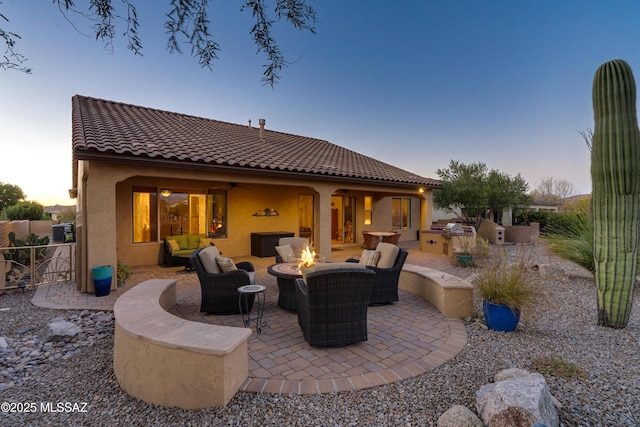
{"x":231,"y":186}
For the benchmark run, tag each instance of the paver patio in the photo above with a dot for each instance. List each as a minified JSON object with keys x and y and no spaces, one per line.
{"x":406,"y":338}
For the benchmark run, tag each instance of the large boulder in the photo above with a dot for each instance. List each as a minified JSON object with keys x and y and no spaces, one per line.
{"x":459,"y":416}
{"x":58,"y":331}
{"x":517,"y":398}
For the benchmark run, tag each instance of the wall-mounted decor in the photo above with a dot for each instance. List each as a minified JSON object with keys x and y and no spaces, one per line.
{"x":266,"y":212}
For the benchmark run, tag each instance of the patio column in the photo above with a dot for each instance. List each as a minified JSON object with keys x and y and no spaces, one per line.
{"x":426,"y":201}
{"x":323,"y":222}
{"x":99,"y":224}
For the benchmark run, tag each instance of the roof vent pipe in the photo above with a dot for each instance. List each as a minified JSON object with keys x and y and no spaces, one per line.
{"x":261,"y":122}
{"x":249,"y":123}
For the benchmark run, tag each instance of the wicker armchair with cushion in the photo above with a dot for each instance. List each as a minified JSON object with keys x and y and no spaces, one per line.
{"x":332,"y":304}
{"x":219,"y":288}
{"x":387,"y":265}
{"x":292,"y":246}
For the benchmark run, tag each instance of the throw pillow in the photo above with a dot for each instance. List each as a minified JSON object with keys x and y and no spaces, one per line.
{"x":205,"y":242}
{"x":226,"y":264}
{"x":369,"y":257}
{"x":173,"y":245}
{"x":285,"y":252}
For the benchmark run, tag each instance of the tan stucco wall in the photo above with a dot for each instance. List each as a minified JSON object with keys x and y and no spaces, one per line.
{"x":104,"y":216}
{"x":165,"y":360}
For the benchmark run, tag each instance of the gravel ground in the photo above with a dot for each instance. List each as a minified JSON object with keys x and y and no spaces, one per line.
{"x":565,"y":326}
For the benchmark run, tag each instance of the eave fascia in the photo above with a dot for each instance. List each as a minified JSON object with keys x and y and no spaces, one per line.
{"x":246,"y":170}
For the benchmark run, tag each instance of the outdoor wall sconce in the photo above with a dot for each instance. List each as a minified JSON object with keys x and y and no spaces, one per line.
{"x":165,"y":192}
{"x":266,"y":212}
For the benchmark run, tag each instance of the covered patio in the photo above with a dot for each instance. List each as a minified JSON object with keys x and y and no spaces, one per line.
{"x":406,"y":338}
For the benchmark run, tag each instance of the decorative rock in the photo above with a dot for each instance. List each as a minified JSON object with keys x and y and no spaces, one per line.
{"x":517,"y":400}
{"x":3,"y":343}
{"x":459,"y":416}
{"x":57,"y":331}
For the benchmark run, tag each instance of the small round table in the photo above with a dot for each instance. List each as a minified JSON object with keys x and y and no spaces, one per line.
{"x":259,"y":292}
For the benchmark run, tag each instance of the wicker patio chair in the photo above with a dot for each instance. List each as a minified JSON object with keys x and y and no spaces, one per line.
{"x":392,"y":239}
{"x":220,"y":290}
{"x":298,"y":244}
{"x":332,"y":306}
{"x":370,"y":241}
{"x":385,"y":286}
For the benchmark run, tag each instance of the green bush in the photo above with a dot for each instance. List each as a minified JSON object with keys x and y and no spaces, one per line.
{"x":31,"y":211}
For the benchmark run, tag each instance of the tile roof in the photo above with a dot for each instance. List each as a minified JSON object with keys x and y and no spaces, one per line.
{"x":111,"y":130}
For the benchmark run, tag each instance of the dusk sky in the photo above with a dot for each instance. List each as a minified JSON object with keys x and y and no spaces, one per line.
{"x":412,"y":83}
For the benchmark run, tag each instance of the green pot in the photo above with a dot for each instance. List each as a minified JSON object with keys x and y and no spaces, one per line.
{"x":465,"y":260}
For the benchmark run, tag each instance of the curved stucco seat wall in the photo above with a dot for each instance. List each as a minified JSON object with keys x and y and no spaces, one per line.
{"x":451,"y":295}
{"x":168,"y":361}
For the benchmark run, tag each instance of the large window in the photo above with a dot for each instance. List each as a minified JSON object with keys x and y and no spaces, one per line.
{"x":368,"y":210}
{"x":156,"y":215}
{"x":145,"y":218}
{"x":401,"y":212}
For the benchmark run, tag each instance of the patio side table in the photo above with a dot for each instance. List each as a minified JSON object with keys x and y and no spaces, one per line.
{"x":243,"y":303}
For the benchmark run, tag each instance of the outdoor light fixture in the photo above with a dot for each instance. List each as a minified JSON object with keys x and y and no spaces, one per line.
{"x":420,"y":190}
{"x":165,"y":192}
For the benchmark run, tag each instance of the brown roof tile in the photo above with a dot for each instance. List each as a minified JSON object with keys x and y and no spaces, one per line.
{"x":104,"y":129}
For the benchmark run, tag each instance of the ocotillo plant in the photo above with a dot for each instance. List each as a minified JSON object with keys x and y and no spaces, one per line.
{"x":615,"y":175}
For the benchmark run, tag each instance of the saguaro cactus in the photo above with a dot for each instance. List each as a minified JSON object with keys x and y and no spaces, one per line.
{"x":615,"y":175}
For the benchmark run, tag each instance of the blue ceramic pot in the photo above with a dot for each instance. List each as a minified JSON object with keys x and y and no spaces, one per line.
{"x":500,"y":317}
{"x":102,"y":276}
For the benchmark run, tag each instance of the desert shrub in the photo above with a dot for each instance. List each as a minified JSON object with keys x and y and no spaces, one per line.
{"x":31,"y":211}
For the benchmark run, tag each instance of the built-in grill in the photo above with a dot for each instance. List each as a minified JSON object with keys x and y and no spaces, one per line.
{"x":452,"y":228}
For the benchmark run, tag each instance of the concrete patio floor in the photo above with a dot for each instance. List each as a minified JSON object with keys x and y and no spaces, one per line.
{"x":406,"y":338}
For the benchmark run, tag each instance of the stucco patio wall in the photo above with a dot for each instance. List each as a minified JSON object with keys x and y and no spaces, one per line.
{"x":451,"y":295}
{"x":522,"y":233}
{"x":168,"y":361}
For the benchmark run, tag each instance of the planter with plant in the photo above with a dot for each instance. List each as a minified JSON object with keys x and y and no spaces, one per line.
{"x":464,"y":247}
{"x":506,"y":287}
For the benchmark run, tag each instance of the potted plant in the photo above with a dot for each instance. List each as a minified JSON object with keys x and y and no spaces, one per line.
{"x":464,"y":249}
{"x":123,"y":273}
{"x":506,"y":286}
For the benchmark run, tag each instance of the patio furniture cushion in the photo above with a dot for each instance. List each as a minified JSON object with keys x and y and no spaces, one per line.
{"x":226,"y":264}
{"x":388,"y":254}
{"x":328,"y":266}
{"x":297,"y":245}
{"x":369,"y":257}
{"x":193,"y":241}
{"x":285,"y":252}
{"x":173,"y":245}
{"x":207,"y":257}
{"x":204,"y":242}
{"x":182,"y":241}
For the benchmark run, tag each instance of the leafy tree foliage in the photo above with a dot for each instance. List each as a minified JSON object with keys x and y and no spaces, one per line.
{"x":10,"y":195}
{"x":470,"y":191}
{"x":31,"y":211}
{"x":187,"y":20}
{"x":552,"y":190}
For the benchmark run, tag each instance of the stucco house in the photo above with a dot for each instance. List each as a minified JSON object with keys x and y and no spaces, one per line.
{"x":140,"y":174}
